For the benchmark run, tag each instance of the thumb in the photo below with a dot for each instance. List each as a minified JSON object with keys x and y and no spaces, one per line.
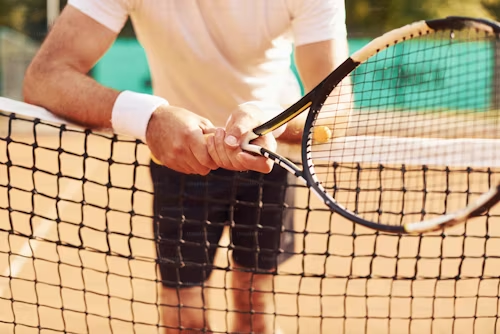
{"x":207,"y":131}
{"x":232,"y":141}
{"x":233,"y":136}
{"x":207,"y":126}
{"x":247,"y":116}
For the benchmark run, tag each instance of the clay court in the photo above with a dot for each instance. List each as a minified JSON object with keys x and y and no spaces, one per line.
{"x":68,"y":265}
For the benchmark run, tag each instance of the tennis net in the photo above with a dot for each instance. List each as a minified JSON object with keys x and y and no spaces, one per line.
{"x":77,"y":248}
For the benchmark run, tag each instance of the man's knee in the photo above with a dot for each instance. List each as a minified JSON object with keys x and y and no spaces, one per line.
{"x":184,"y":309}
{"x":186,"y":296}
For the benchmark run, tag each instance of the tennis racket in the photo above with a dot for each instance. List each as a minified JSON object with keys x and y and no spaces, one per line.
{"x":404,"y":136}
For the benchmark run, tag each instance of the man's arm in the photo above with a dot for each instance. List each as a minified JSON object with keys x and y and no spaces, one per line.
{"x":315,"y":61}
{"x":57,"y":77}
{"x":57,"y":80}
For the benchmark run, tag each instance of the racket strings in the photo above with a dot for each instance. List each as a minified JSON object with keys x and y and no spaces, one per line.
{"x":416,"y":131}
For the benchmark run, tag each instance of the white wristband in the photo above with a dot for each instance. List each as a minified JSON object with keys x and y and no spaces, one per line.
{"x":273,"y":110}
{"x":132,"y":112}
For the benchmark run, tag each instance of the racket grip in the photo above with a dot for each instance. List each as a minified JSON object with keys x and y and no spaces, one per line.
{"x":156,"y":161}
{"x":321,"y":134}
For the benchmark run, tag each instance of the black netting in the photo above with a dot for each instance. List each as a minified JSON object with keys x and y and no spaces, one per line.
{"x":78,"y":253}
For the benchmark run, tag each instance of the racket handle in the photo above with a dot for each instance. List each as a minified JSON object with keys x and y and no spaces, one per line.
{"x":156,"y":161}
{"x":321,"y":135}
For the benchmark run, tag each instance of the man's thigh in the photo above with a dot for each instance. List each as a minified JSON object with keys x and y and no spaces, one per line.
{"x":264,"y":206}
{"x":190,"y":213}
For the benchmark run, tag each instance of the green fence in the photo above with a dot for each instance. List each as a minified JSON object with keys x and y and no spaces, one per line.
{"x":412,"y":80}
{"x":16,"y":53}
{"x":125,"y":67}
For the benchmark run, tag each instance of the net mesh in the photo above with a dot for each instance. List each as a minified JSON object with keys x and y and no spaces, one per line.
{"x":77,"y":253}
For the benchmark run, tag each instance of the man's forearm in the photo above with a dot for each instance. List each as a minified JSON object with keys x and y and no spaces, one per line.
{"x":70,"y":94}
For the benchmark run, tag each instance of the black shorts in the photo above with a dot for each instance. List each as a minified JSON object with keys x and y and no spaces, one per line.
{"x":191,"y":211}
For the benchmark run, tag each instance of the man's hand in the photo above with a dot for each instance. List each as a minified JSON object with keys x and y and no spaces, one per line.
{"x":225,"y":146}
{"x":175,"y":137}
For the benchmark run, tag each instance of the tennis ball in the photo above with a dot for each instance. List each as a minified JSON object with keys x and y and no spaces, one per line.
{"x":322,"y":134}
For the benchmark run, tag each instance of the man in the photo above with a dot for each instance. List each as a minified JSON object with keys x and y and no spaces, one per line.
{"x":207,"y":58}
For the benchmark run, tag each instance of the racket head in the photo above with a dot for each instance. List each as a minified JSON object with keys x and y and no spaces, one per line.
{"x":363,"y":172}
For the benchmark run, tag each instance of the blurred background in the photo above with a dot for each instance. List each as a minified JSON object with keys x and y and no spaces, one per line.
{"x":25,"y":23}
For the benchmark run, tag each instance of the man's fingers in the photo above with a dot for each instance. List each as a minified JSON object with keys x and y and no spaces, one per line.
{"x":207,"y":131}
{"x":242,"y":120}
{"x":196,"y":167}
{"x":256,"y":163}
{"x":268,"y":142}
{"x":201,"y":159}
{"x":233,"y":137}
{"x":226,"y":155}
{"x":259,"y":163}
{"x":210,"y":140}
{"x":181,"y":168}
{"x":185,"y":169}
{"x":207,"y":126}
{"x":219,"y":146}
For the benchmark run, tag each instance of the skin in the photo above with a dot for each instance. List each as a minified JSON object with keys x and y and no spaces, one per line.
{"x":57,"y":80}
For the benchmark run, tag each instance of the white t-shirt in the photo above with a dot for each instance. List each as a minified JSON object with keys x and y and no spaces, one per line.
{"x":208,"y":56}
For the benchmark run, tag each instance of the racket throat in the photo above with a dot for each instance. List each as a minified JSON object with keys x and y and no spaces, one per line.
{"x":282,"y":162}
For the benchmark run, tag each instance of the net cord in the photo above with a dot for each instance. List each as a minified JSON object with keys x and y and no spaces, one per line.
{"x":465,"y":152}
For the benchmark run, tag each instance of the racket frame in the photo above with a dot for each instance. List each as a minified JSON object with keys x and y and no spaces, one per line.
{"x":314,"y":101}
